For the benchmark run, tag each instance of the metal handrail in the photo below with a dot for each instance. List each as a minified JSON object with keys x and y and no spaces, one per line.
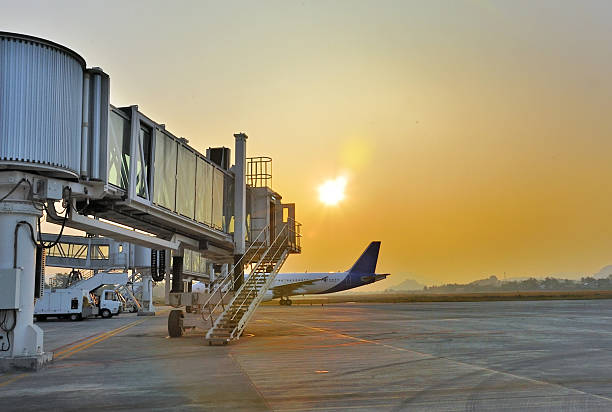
{"x":255,"y":289}
{"x":84,"y":275}
{"x":292,"y":227}
{"x":237,"y":331}
{"x":230,"y":279}
{"x":287,"y":239}
{"x":249,"y":293}
{"x":252,"y":277}
{"x":248,"y":297}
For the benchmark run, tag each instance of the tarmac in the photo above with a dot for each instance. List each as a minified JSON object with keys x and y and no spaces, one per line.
{"x":524,"y":355}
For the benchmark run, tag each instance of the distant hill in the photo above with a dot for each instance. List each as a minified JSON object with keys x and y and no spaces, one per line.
{"x":604,"y":272}
{"x":406,"y":285}
{"x":493,"y":284}
{"x":489,"y":282}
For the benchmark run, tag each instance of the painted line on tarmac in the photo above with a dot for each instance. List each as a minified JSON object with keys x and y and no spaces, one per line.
{"x":80,"y":342}
{"x":483,"y":368}
{"x":56,"y":350}
{"x":80,"y":345}
{"x":11,"y":380}
{"x":66,"y":353}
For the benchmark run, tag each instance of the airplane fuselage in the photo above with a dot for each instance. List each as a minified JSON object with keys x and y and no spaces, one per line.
{"x":318,"y":283}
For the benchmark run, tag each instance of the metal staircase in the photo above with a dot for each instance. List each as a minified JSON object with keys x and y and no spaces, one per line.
{"x":130,"y":302}
{"x":99,"y":279}
{"x":77,"y":277}
{"x":73,"y":278}
{"x":266,"y":260}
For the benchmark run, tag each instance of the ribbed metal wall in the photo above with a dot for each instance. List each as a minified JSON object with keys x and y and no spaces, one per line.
{"x":41,"y":98}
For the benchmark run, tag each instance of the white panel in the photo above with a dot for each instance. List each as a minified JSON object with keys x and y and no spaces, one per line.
{"x":165,"y":171}
{"x":9,"y":288}
{"x":204,"y":192}
{"x":185,"y":185}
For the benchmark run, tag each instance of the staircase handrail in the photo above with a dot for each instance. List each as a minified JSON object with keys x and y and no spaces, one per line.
{"x":237,"y":331}
{"x":230,"y":280}
{"x":273,"y":258}
{"x":251,"y":277}
{"x":85,"y":274}
{"x":212,"y":310}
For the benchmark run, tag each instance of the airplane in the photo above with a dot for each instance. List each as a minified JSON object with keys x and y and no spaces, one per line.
{"x":363,"y":272}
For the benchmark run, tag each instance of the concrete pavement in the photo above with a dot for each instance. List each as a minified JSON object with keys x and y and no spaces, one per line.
{"x":549,"y":355}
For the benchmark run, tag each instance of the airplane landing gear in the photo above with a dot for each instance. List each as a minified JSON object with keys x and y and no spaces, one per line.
{"x":285,"y":301}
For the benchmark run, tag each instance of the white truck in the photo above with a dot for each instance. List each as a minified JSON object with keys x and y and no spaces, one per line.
{"x":107,"y":304}
{"x":75,"y":304}
{"x":79,"y":301}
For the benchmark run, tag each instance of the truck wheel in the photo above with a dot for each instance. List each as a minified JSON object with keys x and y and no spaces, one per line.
{"x":175,"y":323}
{"x":105,"y":313}
{"x":75,"y":316}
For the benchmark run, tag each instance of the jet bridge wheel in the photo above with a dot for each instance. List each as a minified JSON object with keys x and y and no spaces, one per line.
{"x":175,"y":323}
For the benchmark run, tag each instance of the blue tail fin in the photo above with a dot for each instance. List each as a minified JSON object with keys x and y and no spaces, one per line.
{"x":367,"y":261}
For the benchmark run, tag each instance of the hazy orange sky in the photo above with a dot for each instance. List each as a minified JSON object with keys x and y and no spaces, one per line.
{"x":475,"y":135}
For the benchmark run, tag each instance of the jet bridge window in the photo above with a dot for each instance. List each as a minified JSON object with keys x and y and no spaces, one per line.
{"x":187,"y":260}
{"x":100,"y":252}
{"x":69,"y":250}
{"x":185,"y":189}
{"x":143,"y":162}
{"x":118,"y":150}
{"x":195,"y":262}
{"x":228,"y":204}
{"x":203,"y":265}
{"x":204,"y":192}
{"x":165,"y":170}
{"x":217,"y":210}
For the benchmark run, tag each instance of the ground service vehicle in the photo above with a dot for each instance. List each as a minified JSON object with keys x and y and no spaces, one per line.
{"x":76,"y":304}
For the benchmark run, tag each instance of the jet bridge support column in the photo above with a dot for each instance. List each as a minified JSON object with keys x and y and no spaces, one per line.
{"x":142,"y":262}
{"x":211,"y":275}
{"x":239,"y":206}
{"x":21,"y":342}
{"x":147,"y":295}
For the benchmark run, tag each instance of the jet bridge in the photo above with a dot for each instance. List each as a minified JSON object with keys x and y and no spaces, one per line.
{"x":88,"y":254}
{"x":67,"y":154}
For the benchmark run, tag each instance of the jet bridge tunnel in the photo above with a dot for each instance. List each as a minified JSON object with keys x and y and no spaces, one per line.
{"x":113,"y":172}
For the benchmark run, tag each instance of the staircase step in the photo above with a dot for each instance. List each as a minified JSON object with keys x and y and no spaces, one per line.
{"x":221,"y":333}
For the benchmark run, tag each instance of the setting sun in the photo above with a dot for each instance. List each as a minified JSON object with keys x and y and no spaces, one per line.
{"x":332,"y":191}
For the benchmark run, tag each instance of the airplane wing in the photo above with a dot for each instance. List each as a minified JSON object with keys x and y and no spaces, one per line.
{"x":289,"y":288}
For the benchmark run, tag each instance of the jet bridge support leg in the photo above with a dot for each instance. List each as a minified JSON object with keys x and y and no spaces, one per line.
{"x":147,"y":296}
{"x":21,"y":342}
{"x":238,"y":273}
{"x":224,"y":270}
